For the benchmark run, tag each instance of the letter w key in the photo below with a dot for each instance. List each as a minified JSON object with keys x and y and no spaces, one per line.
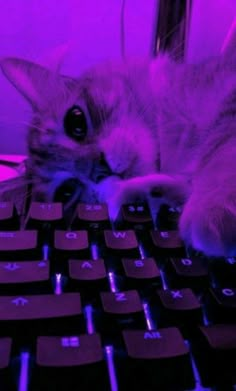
{"x":117,"y":241}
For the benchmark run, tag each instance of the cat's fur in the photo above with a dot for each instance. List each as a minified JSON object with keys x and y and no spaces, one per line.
{"x":160,"y":126}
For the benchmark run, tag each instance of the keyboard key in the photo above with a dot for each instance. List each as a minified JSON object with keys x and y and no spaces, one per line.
{"x":5,"y":350}
{"x":180,"y":308}
{"x":88,"y":276}
{"x":18,"y":240}
{"x":221,"y":305}
{"x":214,"y":351}
{"x":71,"y":240}
{"x":121,"y":242}
{"x":19,"y":245}
{"x":166,"y":239}
{"x":42,"y":212}
{"x":6,"y":377}
{"x":223,"y":272}
{"x":9,"y":220}
{"x":186,"y":273}
{"x":92,"y":216}
{"x":134,"y":216}
{"x":74,"y":362}
{"x":45,"y":217}
{"x":72,"y":243}
{"x":165,"y":243}
{"x":29,"y":315}
{"x":141,"y":273}
{"x":156,"y":359}
{"x":121,"y":310}
{"x":24,"y":277}
{"x":87,"y":270}
{"x":168,"y":218}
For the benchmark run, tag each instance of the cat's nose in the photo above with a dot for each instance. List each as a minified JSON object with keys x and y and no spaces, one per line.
{"x":100,"y":170}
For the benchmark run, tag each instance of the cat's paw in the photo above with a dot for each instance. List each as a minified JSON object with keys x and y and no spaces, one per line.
{"x":208,"y":224}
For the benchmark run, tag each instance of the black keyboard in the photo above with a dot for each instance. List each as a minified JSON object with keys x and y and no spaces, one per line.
{"x":88,"y":303}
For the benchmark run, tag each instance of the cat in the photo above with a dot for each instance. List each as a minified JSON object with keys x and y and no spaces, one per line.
{"x":136,"y":130}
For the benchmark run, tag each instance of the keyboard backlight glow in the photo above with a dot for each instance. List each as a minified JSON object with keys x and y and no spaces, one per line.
{"x":111,"y":368}
{"x":148,"y":317}
{"x":89,"y":319}
{"x":141,"y":250}
{"x":164,"y":284}
{"x":112,"y":282}
{"x":94,"y":251}
{"x":45,"y":252}
{"x":23,"y":380}
{"x":58,"y":287}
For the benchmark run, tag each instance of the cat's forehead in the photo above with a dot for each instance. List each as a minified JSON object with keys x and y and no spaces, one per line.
{"x":102,"y":86}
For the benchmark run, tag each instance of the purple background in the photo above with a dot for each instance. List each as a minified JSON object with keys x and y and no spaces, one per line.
{"x":32,"y":29}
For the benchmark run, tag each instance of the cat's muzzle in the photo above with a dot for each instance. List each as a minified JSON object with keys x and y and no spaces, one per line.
{"x":100,"y":170}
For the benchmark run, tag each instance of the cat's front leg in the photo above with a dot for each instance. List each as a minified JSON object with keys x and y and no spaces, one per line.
{"x":208,"y":221}
{"x":173,"y":189}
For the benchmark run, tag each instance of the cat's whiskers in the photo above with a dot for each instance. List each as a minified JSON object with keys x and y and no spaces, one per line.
{"x":31,"y":125}
{"x":19,"y":123}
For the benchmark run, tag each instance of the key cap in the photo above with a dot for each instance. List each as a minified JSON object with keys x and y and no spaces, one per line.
{"x":134,"y":216}
{"x":71,"y":244}
{"x":92,"y":216}
{"x":30,"y":315}
{"x":118,"y":242}
{"x":121,"y":310}
{"x":45,"y":217}
{"x":221,"y":305}
{"x":166,"y":239}
{"x":180,"y":308}
{"x":9,"y":220}
{"x":223,"y":272}
{"x":42,"y":212}
{"x":24,"y":277}
{"x":156,"y":360}
{"x":88,"y":276}
{"x":6,"y":377}
{"x":141,"y":273}
{"x":19,"y":245}
{"x":74,"y":362}
{"x":214,"y":351}
{"x":186,"y":273}
{"x":168,"y":218}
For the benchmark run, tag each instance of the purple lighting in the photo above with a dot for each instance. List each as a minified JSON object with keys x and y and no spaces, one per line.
{"x":148,"y":318}
{"x":88,"y":310}
{"x":94,"y":251}
{"x":112,"y":282}
{"x":58,"y":284}
{"x":111,"y":369}
{"x":45,"y":252}
{"x":23,"y":380}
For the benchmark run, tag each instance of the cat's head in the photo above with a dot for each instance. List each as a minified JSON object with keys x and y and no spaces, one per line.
{"x":88,"y":133}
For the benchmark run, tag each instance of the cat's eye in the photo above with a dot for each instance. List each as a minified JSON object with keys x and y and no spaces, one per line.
{"x":75,"y":124}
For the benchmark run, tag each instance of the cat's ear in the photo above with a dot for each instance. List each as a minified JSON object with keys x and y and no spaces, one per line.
{"x":54,"y":58}
{"x":229,"y":44}
{"x":33,"y":81}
